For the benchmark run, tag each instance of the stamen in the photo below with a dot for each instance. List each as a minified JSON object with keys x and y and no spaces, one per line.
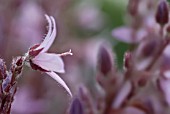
{"x":66,"y":53}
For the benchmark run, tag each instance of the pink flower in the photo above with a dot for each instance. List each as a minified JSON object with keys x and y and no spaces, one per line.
{"x":38,"y":58}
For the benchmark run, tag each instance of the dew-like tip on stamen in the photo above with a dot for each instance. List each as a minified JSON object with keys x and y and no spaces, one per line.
{"x":66,"y":53}
{"x":70,"y":52}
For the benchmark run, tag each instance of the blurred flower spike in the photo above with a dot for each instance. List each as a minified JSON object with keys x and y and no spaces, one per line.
{"x":38,"y":58}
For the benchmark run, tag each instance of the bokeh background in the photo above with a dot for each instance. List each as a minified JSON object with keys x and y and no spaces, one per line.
{"x":82,"y":26}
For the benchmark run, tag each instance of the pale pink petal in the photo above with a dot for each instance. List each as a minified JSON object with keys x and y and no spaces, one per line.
{"x":50,"y":62}
{"x":122,"y":95}
{"x":125,"y":34}
{"x":47,"y":38}
{"x":59,"y":80}
{"x":52,"y":37}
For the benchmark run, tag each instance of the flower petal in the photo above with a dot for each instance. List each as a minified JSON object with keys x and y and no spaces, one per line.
{"x":49,"y":62}
{"x":52,"y":37}
{"x":59,"y":80}
{"x":122,"y":95}
{"x":36,"y":67}
{"x":125,"y":34}
{"x":49,"y":39}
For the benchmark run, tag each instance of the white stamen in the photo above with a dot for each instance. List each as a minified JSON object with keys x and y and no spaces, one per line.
{"x":66,"y":53}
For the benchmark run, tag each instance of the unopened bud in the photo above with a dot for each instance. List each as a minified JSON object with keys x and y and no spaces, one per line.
{"x":104,"y":61}
{"x":76,"y":107}
{"x":2,"y":69}
{"x":127,"y":60}
{"x":162,"y":13}
{"x":6,"y":84}
{"x":17,"y":65}
{"x":150,"y":47}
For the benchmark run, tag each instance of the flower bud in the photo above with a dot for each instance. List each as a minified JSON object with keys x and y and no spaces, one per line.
{"x":104,"y":61}
{"x":17,"y":65}
{"x":76,"y":107}
{"x":2,"y":69}
{"x":162,"y":13}
{"x":150,"y":47}
{"x":6,"y":85}
{"x":127,"y":60}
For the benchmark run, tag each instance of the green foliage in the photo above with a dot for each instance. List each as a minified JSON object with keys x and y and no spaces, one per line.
{"x":120,"y":48}
{"x":114,"y":12}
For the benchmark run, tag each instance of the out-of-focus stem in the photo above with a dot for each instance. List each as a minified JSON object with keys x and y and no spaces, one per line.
{"x":108,"y":101}
{"x":162,"y":30}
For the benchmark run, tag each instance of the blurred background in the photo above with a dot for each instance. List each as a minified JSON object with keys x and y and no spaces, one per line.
{"x":82,"y":26}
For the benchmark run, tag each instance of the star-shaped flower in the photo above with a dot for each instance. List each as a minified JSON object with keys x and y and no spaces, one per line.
{"x":38,"y":58}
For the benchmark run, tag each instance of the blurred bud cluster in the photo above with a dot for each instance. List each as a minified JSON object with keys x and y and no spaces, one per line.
{"x":142,"y":87}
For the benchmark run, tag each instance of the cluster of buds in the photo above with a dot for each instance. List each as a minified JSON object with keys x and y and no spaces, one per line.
{"x":8,"y":83}
{"x":142,"y":87}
